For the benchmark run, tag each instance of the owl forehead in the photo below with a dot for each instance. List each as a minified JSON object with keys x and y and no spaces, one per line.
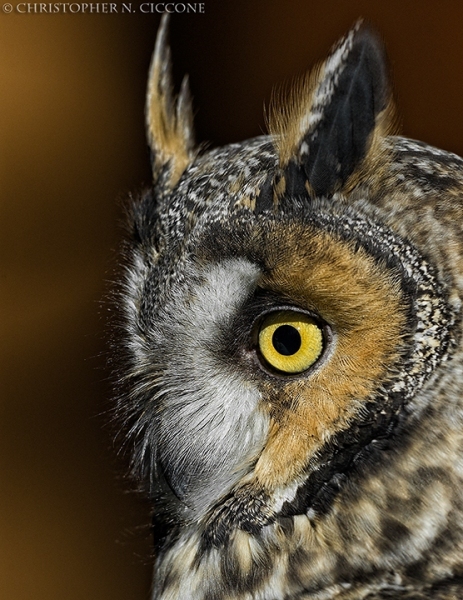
{"x":227,"y":182}
{"x":215,"y":186}
{"x":230,"y":172}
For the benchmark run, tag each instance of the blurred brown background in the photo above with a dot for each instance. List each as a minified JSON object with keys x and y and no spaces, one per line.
{"x":72,"y":142}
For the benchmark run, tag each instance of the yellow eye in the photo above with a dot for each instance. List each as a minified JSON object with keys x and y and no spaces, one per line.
{"x":290,"y":341}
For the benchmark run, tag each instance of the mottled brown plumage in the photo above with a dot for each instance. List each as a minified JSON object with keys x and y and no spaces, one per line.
{"x":338,"y":475}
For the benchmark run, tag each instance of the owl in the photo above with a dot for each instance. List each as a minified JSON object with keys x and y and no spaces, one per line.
{"x":293,"y":365}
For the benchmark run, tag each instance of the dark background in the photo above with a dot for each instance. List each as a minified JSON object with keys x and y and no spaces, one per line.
{"x":72,"y":143}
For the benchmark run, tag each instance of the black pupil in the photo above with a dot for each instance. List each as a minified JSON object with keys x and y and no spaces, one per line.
{"x":286,"y":340}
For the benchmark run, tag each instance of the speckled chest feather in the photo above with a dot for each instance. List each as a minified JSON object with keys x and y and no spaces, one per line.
{"x":293,"y":363}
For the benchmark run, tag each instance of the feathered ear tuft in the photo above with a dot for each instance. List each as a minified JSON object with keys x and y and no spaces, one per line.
{"x":328,"y":132}
{"x":169,"y":120}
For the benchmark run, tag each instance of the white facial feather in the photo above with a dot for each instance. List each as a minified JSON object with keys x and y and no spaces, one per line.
{"x":210,"y":425}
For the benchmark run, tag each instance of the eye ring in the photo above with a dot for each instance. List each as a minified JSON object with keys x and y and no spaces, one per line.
{"x":290,"y":342}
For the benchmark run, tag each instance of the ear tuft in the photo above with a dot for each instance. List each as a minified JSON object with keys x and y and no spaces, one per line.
{"x":169,"y":120}
{"x":334,"y":121}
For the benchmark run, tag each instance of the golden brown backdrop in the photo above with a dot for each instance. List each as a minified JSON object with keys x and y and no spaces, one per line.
{"x":72,"y":142}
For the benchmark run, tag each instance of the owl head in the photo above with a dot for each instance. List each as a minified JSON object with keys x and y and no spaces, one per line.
{"x":292,"y":337}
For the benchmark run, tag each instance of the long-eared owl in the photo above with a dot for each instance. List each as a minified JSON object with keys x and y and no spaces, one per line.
{"x":293,"y":375}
